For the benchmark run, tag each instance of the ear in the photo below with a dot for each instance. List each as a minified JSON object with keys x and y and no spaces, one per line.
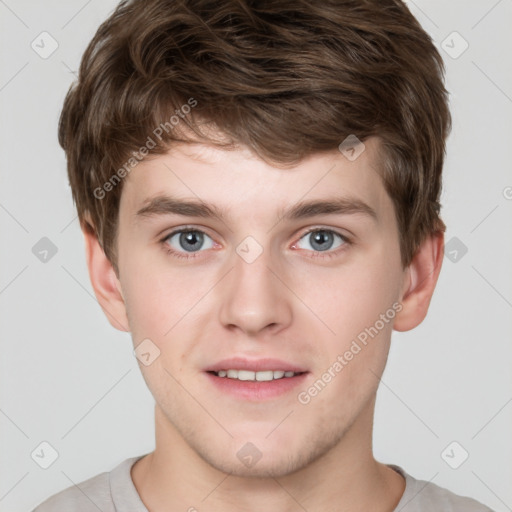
{"x":420,"y":282}
{"x":107,"y":287}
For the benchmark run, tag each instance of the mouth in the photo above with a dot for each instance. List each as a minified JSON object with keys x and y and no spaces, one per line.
{"x":254,"y":376}
{"x":255,"y":380}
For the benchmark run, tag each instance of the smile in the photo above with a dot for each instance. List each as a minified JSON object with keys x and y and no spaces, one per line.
{"x":261,"y":376}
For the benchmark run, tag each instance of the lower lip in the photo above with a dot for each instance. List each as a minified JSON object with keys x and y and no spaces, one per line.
{"x":256,"y":390}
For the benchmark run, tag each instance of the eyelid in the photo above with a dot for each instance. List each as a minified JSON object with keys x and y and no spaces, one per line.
{"x":204,"y":230}
{"x":336,"y":231}
{"x":184,"y":228}
{"x":347,"y":241}
{"x":183,"y":255}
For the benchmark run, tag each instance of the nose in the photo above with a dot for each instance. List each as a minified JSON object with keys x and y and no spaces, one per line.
{"x":255,"y":298}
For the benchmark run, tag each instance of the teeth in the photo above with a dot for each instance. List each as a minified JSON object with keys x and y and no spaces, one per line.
{"x":263,"y":376}
{"x":245,"y":375}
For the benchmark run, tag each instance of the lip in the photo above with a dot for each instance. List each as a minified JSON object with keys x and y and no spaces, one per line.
{"x":255,"y":365}
{"x":255,"y":391}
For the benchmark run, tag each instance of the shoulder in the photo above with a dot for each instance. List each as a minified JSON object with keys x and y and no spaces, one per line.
{"x":109,"y":492}
{"x":87,"y":496}
{"x":423,"y":496}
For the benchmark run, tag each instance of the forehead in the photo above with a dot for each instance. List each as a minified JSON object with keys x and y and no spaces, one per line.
{"x":237,"y":183}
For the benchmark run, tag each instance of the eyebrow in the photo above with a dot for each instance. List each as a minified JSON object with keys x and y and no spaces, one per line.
{"x":167,"y":205}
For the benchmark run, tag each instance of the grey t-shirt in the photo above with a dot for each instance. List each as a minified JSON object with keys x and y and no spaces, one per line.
{"x":115,"y":492}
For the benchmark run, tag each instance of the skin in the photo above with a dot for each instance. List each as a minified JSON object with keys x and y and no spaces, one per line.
{"x":286,"y":304}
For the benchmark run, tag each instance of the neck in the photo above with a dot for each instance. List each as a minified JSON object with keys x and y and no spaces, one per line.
{"x":346,"y":478}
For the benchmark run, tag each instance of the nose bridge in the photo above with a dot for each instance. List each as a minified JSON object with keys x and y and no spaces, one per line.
{"x":254,"y":299}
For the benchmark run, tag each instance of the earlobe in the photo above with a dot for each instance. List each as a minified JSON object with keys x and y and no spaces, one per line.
{"x":105,"y":283}
{"x":420,"y":282}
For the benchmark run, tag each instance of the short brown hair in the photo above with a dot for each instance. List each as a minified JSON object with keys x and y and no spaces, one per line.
{"x":287,"y":78}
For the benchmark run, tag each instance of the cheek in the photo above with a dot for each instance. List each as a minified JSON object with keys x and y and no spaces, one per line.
{"x":161,"y":303}
{"x":351,"y":298}
{"x":151,"y":306}
{"x":373,"y":293}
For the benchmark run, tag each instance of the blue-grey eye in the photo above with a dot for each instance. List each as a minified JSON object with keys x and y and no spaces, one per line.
{"x":322,"y":240}
{"x":189,"y":241}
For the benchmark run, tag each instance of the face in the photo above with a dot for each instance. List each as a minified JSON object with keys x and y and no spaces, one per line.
{"x":262,"y":283}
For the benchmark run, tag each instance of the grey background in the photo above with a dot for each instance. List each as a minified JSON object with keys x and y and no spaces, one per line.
{"x":70,"y":379}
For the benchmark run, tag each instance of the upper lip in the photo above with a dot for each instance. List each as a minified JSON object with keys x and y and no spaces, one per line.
{"x":256,"y":365}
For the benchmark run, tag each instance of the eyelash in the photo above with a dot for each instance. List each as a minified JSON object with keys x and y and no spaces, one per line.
{"x":177,"y":254}
{"x":315,"y":254}
{"x":328,"y":254}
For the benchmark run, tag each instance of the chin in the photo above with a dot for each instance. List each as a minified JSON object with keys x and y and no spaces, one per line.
{"x":268,"y":466}
{"x":258,"y":457}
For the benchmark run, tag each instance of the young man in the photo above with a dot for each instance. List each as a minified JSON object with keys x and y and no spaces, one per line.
{"x":258,"y":185}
